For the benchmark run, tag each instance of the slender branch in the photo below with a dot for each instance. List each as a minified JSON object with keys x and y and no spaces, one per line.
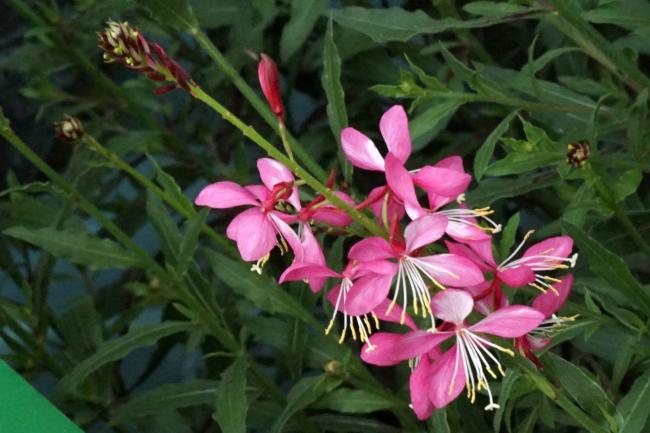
{"x":258,"y":104}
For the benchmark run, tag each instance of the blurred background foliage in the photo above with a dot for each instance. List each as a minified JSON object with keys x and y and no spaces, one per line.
{"x":180,"y":336}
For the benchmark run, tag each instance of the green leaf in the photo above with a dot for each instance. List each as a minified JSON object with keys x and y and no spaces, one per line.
{"x":347,"y":400}
{"x":583,"y":389}
{"x":626,"y":184}
{"x":504,"y":394}
{"x":516,"y":163}
{"x":637,"y":127}
{"x":232,"y":406}
{"x":428,"y":123}
{"x":488,"y":8}
{"x":491,"y":190}
{"x":167,"y":398}
{"x":396,"y":24}
{"x":174,"y":13}
{"x":263,"y":291}
{"x":439,"y":421}
{"x":118,"y":348}
{"x":331,"y":82}
{"x":171,"y":188}
{"x":190,"y":241}
{"x":304,"y":393}
{"x":78,"y":247}
{"x":348,"y":424}
{"x":485,"y":152}
{"x":609,"y":266}
{"x":508,"y":236}
{"x":303,"y":16}
{"x":170,"y":236}
{"x":635,"y":406}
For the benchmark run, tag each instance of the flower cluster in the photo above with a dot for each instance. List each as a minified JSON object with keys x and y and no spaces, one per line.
{"x":123,"y":43}
{"x":433,"y":272}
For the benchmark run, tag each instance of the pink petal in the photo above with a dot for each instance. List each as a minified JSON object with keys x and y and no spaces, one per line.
{"x":448,"y":375}
{"x":453,"y":162}
{"x":468,"y":253}
{"x":436,"y":201}
{"x":259,"y":191}
{"x":394,"y":129}
{"x":400,"y":182}
{"x":369,"y":249}
{"x":391,"y":349}
{"x":360,"y":150}
{"x":394,"y":315}
{"x":381,"y":267}
{"x":452,"y":306}
{"x":517,"y":276}
{"x":366,"y":294}
{"x":252,"y":244}
{"x":423,"y":231}
{"x":550,"y":302}
{"x":419,"y":384}
{"x":302,"y":271}
{"x":452,"y":270}
{"x":442,"y":181}
{"x":273,"y":172}
{"x":290,"y":236}
{"x":538,"y":343}
{"x":484,"y":250}
{"x":462,"y":232}
{"x":509,"y":322}
{"x":558,"y":246}
{"x":394,"y":207}
{"x":225,"y":194}
{"x":331,"y":215}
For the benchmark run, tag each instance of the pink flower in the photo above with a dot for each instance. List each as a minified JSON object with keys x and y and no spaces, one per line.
{"x":547,"y":255}
{"x":362,"y":291}
{"x":436,"y":382}
{"x":548,"y":304}
{"x":256,"y":229}
{"x":267,"y":73}
{"x":321,"y":211}
{"x":413,"y":271}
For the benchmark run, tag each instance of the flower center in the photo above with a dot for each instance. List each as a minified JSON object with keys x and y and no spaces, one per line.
{"x":474,"y":357}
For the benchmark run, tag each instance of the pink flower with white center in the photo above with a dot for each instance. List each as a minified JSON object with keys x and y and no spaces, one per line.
{"x":414,"y":272}
{"x":466,"y":364}
{"x":256,"y":229}
{"x":362,"y":292}
{"x":547,"y":255}
{"x":548,"y":304}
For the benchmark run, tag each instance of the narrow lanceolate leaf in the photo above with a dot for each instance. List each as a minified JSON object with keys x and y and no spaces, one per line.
{"x":170,"y":236}
{"x":347,"y":400}
{"x":232,"y":406}
{"x":117,"y":349}
{"x":304,"y":14}
{"x":396,"y":24}
{"x":635,"y":406}
{"x":190,"y":241}
{"x":174,"y":13}
{"x":516,"y":163}
{"x":331,"y":81}
{"x":504,"y":394}
{"x":431,"y":121}
{"x":171,"y":188}
{"x":485,"y":152}
{"x":583,"y":389}
{"x":169,"y":397}
{"x":304,"y":393}
{"x":508,"y":236}
{"x":263,"y":291}
{"x":78,"y":247}
{"x":609,"y":266}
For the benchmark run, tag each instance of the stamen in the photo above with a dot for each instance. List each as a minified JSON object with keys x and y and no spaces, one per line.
{"x":257,"y":267}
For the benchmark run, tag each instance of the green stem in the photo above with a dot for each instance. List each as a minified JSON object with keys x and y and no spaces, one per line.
{"x":258,"y":104}
{"x":285,"y":141}
{"x":87,"y":206}
{"x":272,"y":151}
{"x":147,"y":183}
{"x":568,"y":20}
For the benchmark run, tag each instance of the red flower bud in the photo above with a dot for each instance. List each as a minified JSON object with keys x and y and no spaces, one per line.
{"x":267,"y":73}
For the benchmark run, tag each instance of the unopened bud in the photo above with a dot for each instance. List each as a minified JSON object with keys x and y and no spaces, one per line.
{"x":333,"y":368}
{"x":577,"y":154}
{"x":267,"y":72}
{"x":69,"y":129}
{"x":123,"y":43}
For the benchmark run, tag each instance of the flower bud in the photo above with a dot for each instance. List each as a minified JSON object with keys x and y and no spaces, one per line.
{"x":123,"y":43}
{"x":69,"y":129}
{"x":577,"y":154}
{"x":267,"y":73}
